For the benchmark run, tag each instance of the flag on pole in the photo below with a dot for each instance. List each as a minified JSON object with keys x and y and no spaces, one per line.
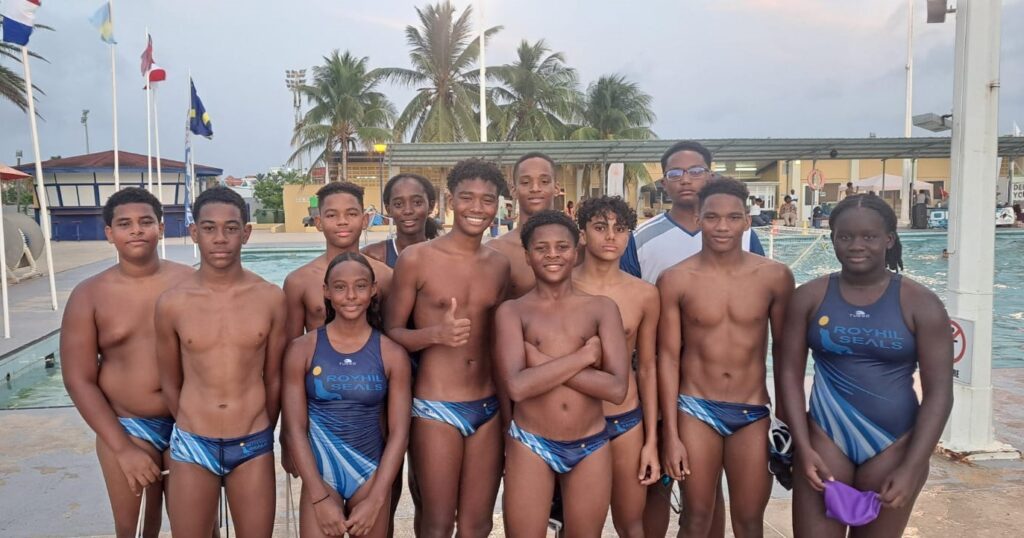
{"x":104,"y":23}
{"x":198,"y":119}
{"x":188,"y":182}
{"x":156,"y":74}
{"x":147,"y":55}
{"x":19,"y":18}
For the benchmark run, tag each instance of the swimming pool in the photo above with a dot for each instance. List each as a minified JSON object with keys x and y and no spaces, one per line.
{"x":32,"y":384}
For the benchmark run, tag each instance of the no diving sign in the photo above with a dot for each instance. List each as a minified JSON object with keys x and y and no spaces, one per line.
{"x":963,"y":336}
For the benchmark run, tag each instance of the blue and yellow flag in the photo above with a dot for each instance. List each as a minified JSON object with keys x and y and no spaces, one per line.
{"x":104,"y":23}
{"x":198,"y":119}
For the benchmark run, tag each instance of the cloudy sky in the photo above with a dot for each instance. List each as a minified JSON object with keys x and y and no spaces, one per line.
{"x":715,"y":68}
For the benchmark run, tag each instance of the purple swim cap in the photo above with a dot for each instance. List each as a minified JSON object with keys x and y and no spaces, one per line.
{"x":850,"y":506}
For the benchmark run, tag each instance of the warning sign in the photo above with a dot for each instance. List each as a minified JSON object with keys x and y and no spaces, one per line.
{"x":963,"y":336}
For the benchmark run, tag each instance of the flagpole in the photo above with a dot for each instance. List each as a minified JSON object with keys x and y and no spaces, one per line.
{"x":149,"y":129}
{"x":159,"y":167}
{"x":3,"y":277}
{"x":483,"y":77}
{"x":113,"y":86}
{"x":192,"y":159}
{"x":44,"y":214}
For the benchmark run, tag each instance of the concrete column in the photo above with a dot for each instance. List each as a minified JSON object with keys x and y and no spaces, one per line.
{"x":971,"y":228}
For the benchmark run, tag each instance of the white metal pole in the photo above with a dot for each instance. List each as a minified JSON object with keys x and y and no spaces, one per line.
{"x":44,"y":212}
{"x":192,"y":190}
{"x":906,"y":189}
{"x":3,"y":277}
{"x":113,"y":87}
{"x":159,"y":167}
{"x":149,"y":130}
{"x":483,"y":76}
{"x":971,"y":235}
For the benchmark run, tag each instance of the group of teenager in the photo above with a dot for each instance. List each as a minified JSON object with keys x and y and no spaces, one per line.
{"x":584,"y":363}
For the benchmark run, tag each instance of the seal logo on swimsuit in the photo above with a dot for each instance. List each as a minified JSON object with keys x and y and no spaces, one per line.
{"x":348,"y":362}
{"x":860,"y":314}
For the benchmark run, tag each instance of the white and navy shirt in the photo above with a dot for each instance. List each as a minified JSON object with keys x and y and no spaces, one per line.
{"x":661,"y":243}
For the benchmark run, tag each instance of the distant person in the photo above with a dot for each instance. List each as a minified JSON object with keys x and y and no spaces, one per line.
{"x":220,"y":340}
{"x":409,"y":200}
{"x":922,"y":197}
{"x":817,"y":216}
{"x":110,"y":316}
{"x":347,"y":401}
{"x":534,"y":188}
{"x":508,"y":218}
{"x":869,"y":330}
{"x":792,"y":194}
{"x":850,"y":189}
{"x":570,"y":210}
{"x":1018,"y":216}
{"x":788,"y":211}
{"x":757,"y":218}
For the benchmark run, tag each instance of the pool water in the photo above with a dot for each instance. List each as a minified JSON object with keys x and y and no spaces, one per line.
{"x":809,"y":257}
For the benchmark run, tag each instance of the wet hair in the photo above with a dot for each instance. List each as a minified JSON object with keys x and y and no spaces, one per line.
{"x":725,"y":185}
{"x":685,"y":145}
{"x":544,"y":218}
{"x":339,"y":187}
{"x":604,"y":205}
{"x":893,"y":255}
{"x":528,"y":156}
{"x":130,"y":195}
{"x":373,"y":311}
{"x":220,"y":195}
{"x":430,"y":228}
{"x":468,"y":169}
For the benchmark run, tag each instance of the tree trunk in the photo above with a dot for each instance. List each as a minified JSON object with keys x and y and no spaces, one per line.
{"x":344,"y":160}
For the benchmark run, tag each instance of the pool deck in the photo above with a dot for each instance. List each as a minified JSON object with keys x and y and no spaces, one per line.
{"x":50,"y":483}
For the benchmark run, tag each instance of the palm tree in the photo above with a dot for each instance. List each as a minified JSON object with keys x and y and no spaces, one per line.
{"x":12,"y":85}
{"x":615,"y":108}
{"x":538,"y":97}
{"x":444,"y":50}
{"x":346,"y":110}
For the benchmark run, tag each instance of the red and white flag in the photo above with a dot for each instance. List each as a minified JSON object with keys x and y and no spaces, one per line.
{"x":147,"y":56}
{"x":151,"y":71}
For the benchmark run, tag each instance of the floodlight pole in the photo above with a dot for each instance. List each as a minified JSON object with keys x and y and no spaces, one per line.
{"x":971,"y":228}
{"x":906,"y":188}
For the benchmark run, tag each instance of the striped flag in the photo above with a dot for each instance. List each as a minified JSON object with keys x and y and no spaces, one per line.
{"x":151,"y":71}
{"x":188,"y":181}
{"x":104,"y":23}
{"x":19,"y":19}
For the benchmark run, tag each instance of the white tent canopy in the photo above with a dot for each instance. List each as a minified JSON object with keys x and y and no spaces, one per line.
{"x":891,"y":182}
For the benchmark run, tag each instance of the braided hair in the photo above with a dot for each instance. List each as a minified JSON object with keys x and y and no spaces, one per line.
{"x":373,"y":312}
{"x":430,"y":228}
{"x":894,"y":254}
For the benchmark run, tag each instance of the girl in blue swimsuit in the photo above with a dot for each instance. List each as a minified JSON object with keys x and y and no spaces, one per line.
{"x":868,"y":328}
{"x":342,"y":384}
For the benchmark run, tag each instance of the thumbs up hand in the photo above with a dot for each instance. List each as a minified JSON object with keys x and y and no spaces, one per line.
{"x":453,"y":331}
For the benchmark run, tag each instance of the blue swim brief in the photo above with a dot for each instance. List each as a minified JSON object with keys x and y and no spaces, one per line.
{"x":620,"y":424}
{"x":219,"y":456}
{"x":155,"y":431}
{"x":726,"y":418}
{"x":561,"y":456}
{"x":467,"y":417}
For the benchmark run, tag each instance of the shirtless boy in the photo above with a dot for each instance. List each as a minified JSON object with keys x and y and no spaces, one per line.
{"x":534,"y":188}
{"x":605,"y":224}
{"x":561,"y":354}
{"x":111,"y":315}
{"x":449,"y":288}
{"x":716,"y":307}
{"x":342,"y":221}
{"x":220,"y":339}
